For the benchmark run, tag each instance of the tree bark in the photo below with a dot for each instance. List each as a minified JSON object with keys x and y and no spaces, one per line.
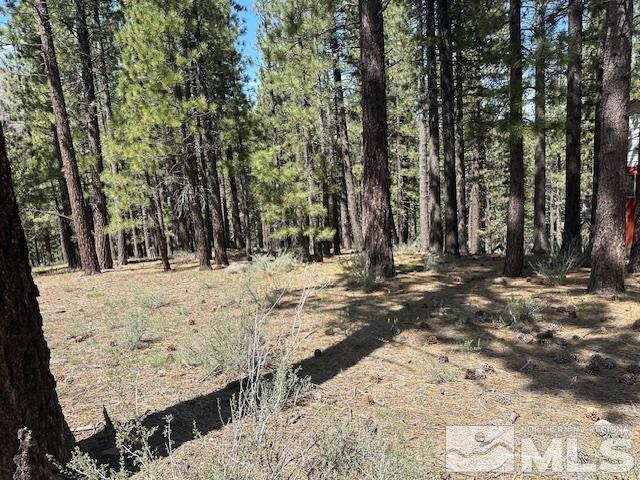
{"x":27,"y":387}
{"x":475,"y":187}
{"x":514,"y":260}
{"x":448,"y":130}
{"x":344,"y":148}
{"x":571,"y":234}
{"x":608,"y":257}
{"x":238,"y":238}
{"x":377,"y":220}
{"x":98,"y":199}
{"x":66,"y":232}
{"x":88,"y":258}
{"x":423,"y":163}
{"x":433,"y":148}
{"x":540,"y":235}
{"x":461,"y":179}
{"x":219,"y":241}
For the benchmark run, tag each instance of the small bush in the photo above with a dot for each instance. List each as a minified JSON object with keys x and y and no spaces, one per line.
{"x":553,"y":269}
{"x":434,"y":264}
{"x":517,"y":311}
{"x":270,"y":265}
{"x":135,"y":326}
{"x":356,"y":274}
{"x":226,"y":348}
{"x":152,"y":300}
{"x":407,"y":248}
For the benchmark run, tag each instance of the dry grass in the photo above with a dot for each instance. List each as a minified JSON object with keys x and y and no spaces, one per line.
{"x":375,"y":357}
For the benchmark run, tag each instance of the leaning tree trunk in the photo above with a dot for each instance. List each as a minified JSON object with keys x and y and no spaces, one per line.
{"x":571,"y":234}
{"x":88,"y":258}
{"x":435,"y":211}
{"x":377,"y":220}
{"x":27,"y":387}
{"x":540,"y":235}
{"x":98,"y":198}
{"x":514,"y":260}
{"x":608,"y":256}
{"x":343,"y":147}
{"x":448,"y":131}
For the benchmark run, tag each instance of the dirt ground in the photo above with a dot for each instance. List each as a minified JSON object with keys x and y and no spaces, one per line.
{"x":404,"y":354}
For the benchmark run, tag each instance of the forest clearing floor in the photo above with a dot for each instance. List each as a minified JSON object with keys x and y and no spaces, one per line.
{"x":424,"y":350}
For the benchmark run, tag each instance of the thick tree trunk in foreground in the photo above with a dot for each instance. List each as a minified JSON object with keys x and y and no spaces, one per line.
{"x":344,"y":148}
{"x":98,"y":198}
{"x":514,"y":260}
{"x":433,"y":147}
{"x":451,"y":245}
{"x":377,"y":220}
{"x":540,"y":235}
{"x":27,"y":388}
{"x":571,"y":234}
{"x":608,"y":256}
{"x":88,"y":258}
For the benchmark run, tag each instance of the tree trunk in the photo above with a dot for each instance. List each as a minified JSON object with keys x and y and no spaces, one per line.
{"x":403,"y":220}
{"x":540,"y":235}
{"x":238,"y":238}
{"x":475,"y":188}
{"x":461,"y":179}
{"x":27,"y":387}
{"x":377,"y":220}
{"x":597,"y":135}
{"x":433,"y":148}
{"x":66,"y":233}
{"x":634,"y":257}
{"x":98,"y":198}
{"x":134,"y":235}
{"x":88,"y":258}
{"x":448,"y":134}
{"x":219,"y":240}
{"x":246,"y":194}
{"x":571,"y":234}
{"x":514,"y":260}
{"x":607,"y":268}
{"x":423,"y":163}
{"x":344,"y":148}
{"x":314,"y":250}
{"x":148,"y":247}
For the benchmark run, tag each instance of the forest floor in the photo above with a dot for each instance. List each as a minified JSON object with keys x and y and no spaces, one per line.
{"x":424,"y":350}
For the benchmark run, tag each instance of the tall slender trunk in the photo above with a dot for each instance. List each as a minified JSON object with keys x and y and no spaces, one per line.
{"x":145,"y":233}
{"x":608,"y":256}
{"x":314,"y":250}
{"x":461,"y":176}
{"x":27,"y":387}
{"x":403,"y":225}
{"x":423,"y":163}
{"x":571,"y":234}
{"x":246,"y":194}
{"x":433,"y":147}
{"x":540,"y":235}
{"x":238,"y":238}
{"x":377,"y":219}
{"x":88,"y":257}
{"x":448,"y":130}
{"x":343,"y":147}
{"x":98,"y":199}
{"x":68,"y":247}
{"x":514,"y":260}
{"x":597,"y":132}
{"x":219,"y":240}
{"x":475,"y":186}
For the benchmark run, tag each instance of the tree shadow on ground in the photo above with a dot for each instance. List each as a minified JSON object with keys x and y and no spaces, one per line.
{"x":472,"y":288}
